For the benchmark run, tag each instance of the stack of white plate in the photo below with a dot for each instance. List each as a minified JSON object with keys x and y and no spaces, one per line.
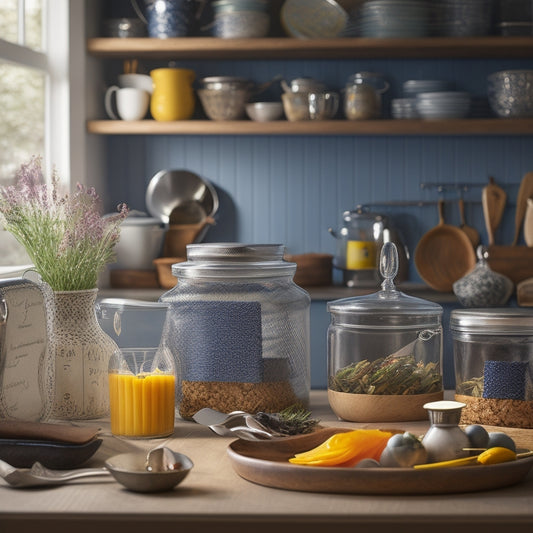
{"x":394,"y":19}
{"x":413,"y":87}
{"x":443,"y":105}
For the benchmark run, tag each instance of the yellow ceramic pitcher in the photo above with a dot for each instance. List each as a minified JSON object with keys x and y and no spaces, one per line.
{"x":173,"y":96}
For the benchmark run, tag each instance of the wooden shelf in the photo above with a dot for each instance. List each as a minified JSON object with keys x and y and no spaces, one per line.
{"x":288,"y":48}
{"x":484,"y":127}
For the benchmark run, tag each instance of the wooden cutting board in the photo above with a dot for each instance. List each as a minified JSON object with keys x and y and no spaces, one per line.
{"x":493,"y":199}
{"x":515,"y":262}
{"x":524,"y":192}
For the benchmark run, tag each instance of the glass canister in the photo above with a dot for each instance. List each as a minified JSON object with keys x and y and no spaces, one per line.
{"x":363,"y":92}
{"x":384,"y":352}
{"x":358,"y":246}
{"x":239,"y":327}
{"x":493,"y":356}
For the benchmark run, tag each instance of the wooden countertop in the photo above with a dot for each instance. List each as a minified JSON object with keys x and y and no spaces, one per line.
{"x":214,"y":498}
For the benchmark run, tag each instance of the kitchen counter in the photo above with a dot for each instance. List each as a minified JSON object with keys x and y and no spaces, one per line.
{"x":214,"y":498}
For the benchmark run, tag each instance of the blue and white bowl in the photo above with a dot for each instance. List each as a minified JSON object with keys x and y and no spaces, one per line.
{"x":241,"y":24}
{"x":169,"y":18}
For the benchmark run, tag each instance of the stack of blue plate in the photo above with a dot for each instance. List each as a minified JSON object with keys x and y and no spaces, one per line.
{"x":465,"y":18}
{"x":394,"y":19}
{"x":441,"y":105}
{"x":413,"y":87}
{"x":404,"y":108}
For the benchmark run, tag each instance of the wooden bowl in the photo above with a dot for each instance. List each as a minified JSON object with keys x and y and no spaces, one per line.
{"x":164,"y":271}
{"x":312,"y":269}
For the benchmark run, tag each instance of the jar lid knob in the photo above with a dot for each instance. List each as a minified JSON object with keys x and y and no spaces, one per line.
{"x":388,"y":265}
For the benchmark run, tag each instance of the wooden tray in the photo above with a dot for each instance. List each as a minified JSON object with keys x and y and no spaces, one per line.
{"x":266,"y":463}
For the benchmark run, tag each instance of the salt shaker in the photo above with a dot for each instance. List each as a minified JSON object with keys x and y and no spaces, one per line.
{"x":445,"y":440}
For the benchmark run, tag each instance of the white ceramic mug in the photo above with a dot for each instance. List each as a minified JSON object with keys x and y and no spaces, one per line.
{"x":131,"y":103}
{"x":137,"y":81}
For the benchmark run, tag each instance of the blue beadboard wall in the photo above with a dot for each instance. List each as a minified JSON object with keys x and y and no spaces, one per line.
{"x":291,"y":189}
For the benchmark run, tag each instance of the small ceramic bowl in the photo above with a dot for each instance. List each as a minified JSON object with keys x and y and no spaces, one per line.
{"x":264,"y":111}
{"x":129,"y":469}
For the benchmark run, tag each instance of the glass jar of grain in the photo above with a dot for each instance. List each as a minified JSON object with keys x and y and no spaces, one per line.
{"x":238,"y":326}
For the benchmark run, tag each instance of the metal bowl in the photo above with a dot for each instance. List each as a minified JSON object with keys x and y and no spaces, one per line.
{"x":224,"y":104}
{"x":129,"y":469}
{"x":510,"y":93}
{"x":172,"y":192}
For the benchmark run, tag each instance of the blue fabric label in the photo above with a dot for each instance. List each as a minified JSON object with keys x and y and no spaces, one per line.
{"x":219,"y":341}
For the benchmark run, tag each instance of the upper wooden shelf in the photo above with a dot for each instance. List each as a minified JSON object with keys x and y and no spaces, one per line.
{"x":289,"y":48}
{"x":330,"y":127}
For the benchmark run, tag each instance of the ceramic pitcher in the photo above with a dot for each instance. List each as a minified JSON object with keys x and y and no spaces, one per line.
{"x":173,"y":96}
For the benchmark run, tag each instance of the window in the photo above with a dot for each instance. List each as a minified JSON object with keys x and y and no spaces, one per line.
{"x":34,"y":87}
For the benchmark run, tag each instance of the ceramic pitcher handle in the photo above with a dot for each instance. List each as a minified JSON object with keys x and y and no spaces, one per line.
{"x":109,"y":101}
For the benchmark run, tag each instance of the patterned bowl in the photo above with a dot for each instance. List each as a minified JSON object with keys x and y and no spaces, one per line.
{"x":510,"y":93}
{"x":224,"y":105}
{"x":241,"y":24}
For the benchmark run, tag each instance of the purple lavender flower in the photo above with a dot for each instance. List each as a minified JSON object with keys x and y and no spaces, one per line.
{"x":67,"y":239}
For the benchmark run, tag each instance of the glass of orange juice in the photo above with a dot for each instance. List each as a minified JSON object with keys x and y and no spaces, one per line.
{"x":142,"y":385}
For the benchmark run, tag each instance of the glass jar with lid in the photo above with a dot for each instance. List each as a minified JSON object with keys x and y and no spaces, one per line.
{"x":363,"y":95}
{"x":384,"y":352}
{"x":238,"y":326}
{"x":493,"y":356}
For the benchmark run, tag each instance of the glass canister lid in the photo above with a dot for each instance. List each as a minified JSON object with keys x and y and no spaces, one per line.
{"x":493,"y":321}
{"x":227,"y":260}
{"x":388,"y":307}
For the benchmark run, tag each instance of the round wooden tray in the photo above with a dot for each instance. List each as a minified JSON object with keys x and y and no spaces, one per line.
{"x":267,"y":463}
{"x":381,"y":408}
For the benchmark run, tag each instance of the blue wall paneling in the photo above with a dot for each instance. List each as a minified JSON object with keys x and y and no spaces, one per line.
{"x":291,"y":189}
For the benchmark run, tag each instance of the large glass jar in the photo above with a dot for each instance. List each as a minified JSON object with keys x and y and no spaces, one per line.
{"x":493,"y":355}
{"x":239,"y":328}
{"x":384,"y":352}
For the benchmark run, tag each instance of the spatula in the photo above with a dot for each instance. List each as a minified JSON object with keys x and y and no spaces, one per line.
{"x":524,"y":192}
{"x":471,"y":232}
{"x":493,"y":198}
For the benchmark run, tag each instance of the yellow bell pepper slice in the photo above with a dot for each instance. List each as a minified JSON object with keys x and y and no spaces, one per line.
{"x":345,"y":449}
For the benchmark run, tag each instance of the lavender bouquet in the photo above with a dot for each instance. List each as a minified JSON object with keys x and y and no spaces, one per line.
{"x":65,"y":236}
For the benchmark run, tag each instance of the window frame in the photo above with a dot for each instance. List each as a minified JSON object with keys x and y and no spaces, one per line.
{"x":62,"y":63}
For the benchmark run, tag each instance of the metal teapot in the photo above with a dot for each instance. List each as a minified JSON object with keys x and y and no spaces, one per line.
{"x":359,"y":243}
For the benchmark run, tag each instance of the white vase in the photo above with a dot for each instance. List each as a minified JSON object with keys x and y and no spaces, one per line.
{"x":82,"y":351}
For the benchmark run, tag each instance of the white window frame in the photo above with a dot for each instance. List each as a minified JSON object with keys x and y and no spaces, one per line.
{"x":62,"y":61}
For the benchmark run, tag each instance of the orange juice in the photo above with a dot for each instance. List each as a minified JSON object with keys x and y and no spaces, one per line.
{"x":142,"y":405}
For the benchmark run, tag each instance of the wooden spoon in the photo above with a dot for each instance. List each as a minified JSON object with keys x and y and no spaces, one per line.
{"x":493,"y":199}
{"x":471,"y":232}
{"x":525,"y":192}
{"x":444,"y":255}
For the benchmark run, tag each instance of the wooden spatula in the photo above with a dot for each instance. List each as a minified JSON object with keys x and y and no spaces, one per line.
{"x":493,"y":198}
{"x":471,"y":232}
{"x":525,"y":192}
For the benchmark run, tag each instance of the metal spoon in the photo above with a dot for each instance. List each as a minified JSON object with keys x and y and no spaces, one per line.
{"x":40,"y":476}
{"x":160,"y":460}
